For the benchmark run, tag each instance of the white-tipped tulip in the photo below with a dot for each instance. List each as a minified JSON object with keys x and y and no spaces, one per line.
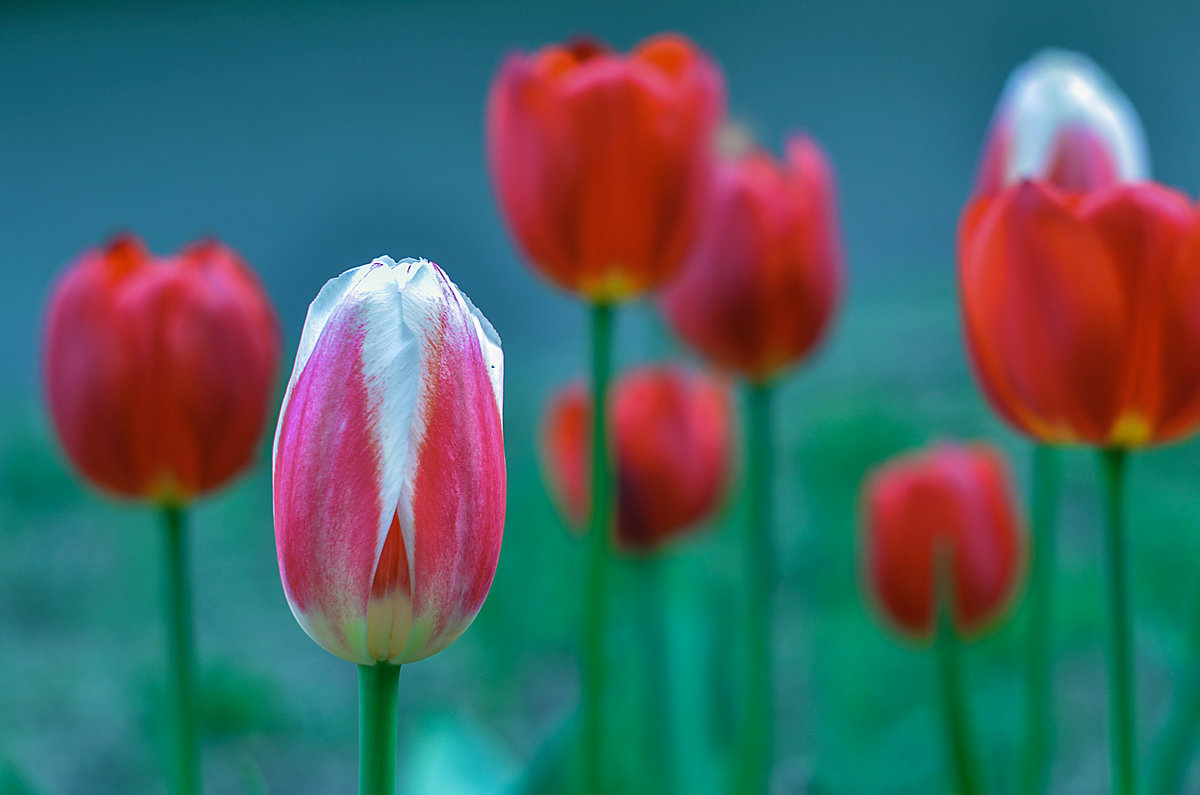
{"x":1062,"y":120}
{"x":388,"y":466}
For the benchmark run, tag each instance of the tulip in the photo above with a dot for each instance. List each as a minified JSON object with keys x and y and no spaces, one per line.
{"x":671,"y":446}
{"x":943,"y":550}
{"x":756,"y":296}
{"x":1079,"y":311}
{"x":1063,"y":121}
{"x":952,"y":501}
{"x":389,"y":478}
{"x":759,"y":289}
{"x":602,"y":163}
{"x":158,"y":372}
{"x":601,"y":160}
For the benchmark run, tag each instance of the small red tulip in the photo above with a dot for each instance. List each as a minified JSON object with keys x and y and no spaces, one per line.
{"x":1082,"y":312}
{"x":601,"y":161}
{"x":760,"y":288}
{"x":951,"y":503}
{"x":1062,"y":120}
{"x":158,"y":371}
{"x":671,"y":451}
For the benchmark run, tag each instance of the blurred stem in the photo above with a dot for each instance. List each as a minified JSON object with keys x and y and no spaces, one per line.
{"x":1039,"y":706}
{"x":656,"y":649}
{"x":955,"y":713}
{"x":1171,"y":755}
{"x":1120,"y":658}
{"x":178,"y":604}
{"x":595,"y":581}
{"x":759,"y":578}
{"x":378,"y":721}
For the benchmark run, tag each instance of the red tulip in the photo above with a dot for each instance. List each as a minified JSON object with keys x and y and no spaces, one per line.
{"x":1062,"y":120}
{"x":1082,"y":312}
{"x":601,"y":161}
{"x":951,"y":504}
{"x":158,"y":371}
{"x":760,"y":288}
{"x":671,"y":450}
{"x":389,"y":472}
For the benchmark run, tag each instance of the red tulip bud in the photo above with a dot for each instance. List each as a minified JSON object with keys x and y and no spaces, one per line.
{"x":671,"y":443}
{"x":947,"y":506}
{"x":158,"y":371}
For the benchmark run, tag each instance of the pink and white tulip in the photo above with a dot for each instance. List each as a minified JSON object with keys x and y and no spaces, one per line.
{"x":389,"y":476}
{"x":1062,"y":120}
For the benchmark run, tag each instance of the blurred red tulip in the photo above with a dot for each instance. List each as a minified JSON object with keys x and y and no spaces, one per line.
{"x":158,"y":371}
{"x":1082,"y":312}
{"x":1063,"y":121}
{"x":672,"y":449}
{"x":952,"y":501}
{"x":388,"y":467}
{"x":601,"y":161}
{"x":760,"y":287}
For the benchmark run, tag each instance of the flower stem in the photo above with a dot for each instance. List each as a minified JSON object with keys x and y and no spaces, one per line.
{"x":178,"y":604}
{"x":656,"y":651}
{"x":1039,"y":705}
{"x":595,"y":580}
{"x":759,"y":579}
{"x":1120,"y":658}
{"x":954,"y":709}
{"x":378,"y":689}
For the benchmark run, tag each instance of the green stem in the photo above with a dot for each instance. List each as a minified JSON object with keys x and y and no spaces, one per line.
{"x":378,"y":720}
{"x":1120,"y":657}
{"x":759,"y":579}
{"x":954,"y":710}
{"x":1039,"y":705}
{"x":178,"y":604}
{"x":595,"y":583}
{"x":1171,"y":756}
{"x":656,"y":650}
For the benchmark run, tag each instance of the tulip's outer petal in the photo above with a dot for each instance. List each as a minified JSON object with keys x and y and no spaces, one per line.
{"x":601,"y":161}
{"x":451,"y":509}
{"x":1144,"y":227}
{"x":1179,"y":409}
{"x":341,"y":452}
{"x":950,"y":504}
{"x":762,"y":283}
{"x":158,"y":370}
{"x":1062,"y":119}
{"x":1045,"y":311}
{"x":566,"y":452}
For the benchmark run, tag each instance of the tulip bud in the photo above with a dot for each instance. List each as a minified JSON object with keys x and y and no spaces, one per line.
{"x":758,"y":291}
{"x":389,"y":473}
{"x":601,"y":161}
{"x":947,"y":506}
{"x":1062,"y":120}
{"x":158,"y":371}
{"x":671,"y":444}
{"x":1080,"y":311}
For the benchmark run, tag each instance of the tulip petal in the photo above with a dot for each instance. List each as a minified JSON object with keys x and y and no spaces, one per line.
{"x":352,"y":397}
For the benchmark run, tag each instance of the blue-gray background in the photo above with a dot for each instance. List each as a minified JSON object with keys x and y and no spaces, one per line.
{"x":312,"y":138}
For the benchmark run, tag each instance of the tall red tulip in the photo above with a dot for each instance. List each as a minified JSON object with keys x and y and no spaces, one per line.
{"x":1081,"y":311}
{"x":1062,"y":120}
{"x":601,"y":161}
{"x":158,"y":370}
{"x":949,"y":502}
{"x":760,"y":287}
{"x":389,"y":473}
{"x":671,"y":443}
